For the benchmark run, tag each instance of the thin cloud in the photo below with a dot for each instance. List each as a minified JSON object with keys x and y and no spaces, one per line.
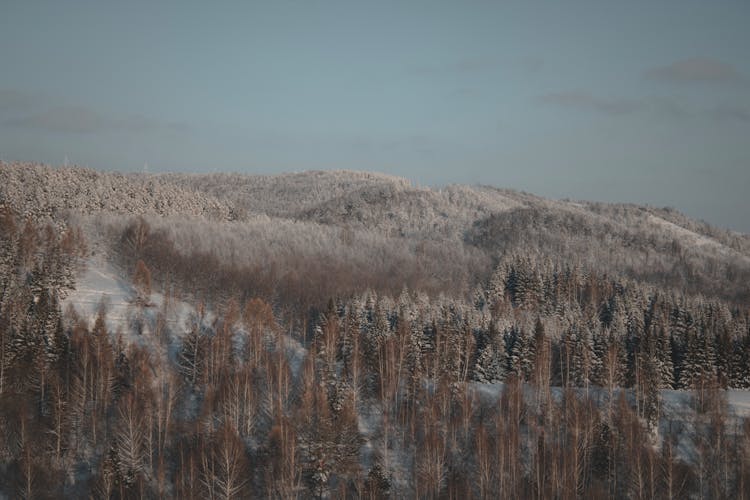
{"x":473,"y":65}
{"x":696,"y":70}
{"x":584,"y":100}
{"x":659,"y":106}
{"x":530,"y":64}
{"x":83,"y":120}
{"x":469,"y":65}
{"x":14,"y":101}
{"x":730,"y":112}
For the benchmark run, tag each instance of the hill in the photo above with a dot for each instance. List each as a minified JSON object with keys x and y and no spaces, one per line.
{"x":347,"y":334}
{"x":357,"y":217}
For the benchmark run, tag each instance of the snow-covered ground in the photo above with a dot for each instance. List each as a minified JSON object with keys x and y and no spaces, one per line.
{"x":695,"y":239}
{"x":675,"y":404}
{"x":680,"y":402}
{"x":101,"y":282}
{"x":739,"y":402}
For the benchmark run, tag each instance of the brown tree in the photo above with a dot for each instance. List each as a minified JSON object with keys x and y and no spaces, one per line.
{"x":142,"y":283}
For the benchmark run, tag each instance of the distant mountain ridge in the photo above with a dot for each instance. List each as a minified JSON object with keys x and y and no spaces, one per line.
{"x":658,"y":246}
{"x":41,"y":190}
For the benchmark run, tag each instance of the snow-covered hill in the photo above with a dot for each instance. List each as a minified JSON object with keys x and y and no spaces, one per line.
{"x":359,"y":217}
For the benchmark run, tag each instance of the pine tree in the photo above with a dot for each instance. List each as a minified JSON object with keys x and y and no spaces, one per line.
{"x":489,"y":366}
{"x":515,"y":348}
{"x":723,"y":357}
{"x":542,"y":357}
{"x":454,"y":354}
{"x":584,"y":355}
{"x":378,"y":482}
{"x":330,"y":443}
{"x":664,"y":363}
{"x":739,"y":366}
{"x":598,"y":368}
{"x":577,"y":353}
{"x":349,"y":338}
{"x":497,"y":286}
{"x":698,"y":367}
{"x":192,"y":356}
{"x":743,"y":371}
{"x":414,"y":361}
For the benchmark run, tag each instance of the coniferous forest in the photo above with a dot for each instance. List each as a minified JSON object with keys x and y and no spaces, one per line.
{"x":349,"y":335}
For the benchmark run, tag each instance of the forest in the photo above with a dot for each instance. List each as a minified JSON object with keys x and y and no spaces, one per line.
{"x":348,"y":335}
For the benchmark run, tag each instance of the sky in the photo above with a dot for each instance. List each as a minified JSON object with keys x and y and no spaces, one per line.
{"x":637,"y":101}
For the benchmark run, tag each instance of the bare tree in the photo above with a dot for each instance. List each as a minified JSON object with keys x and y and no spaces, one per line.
{"x":142,"y":283}
{"x":224,"y":466}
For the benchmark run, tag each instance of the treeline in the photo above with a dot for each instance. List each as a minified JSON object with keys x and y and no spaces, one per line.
{"x":628,"y":241}
{"x":542,"y":382}
{"x":372,"y":220}
{"x":294,"y":266}
{"x":41,"y":191}
{"x":379,"y":405}
{"x":600,"y":327}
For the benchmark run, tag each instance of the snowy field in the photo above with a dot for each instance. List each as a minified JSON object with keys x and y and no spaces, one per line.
{"x":101,"y":282}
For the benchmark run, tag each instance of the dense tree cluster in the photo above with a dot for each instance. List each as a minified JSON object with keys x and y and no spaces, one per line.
{"x":322,"y":359}
{"x":293,"y":266}
{"x":635,"y":242}
{"x":590,"y":315}
{"x":375,"y":398}
{"x":286,"y":194}
{"x":343,"y":214}
{"x":44,"y":191}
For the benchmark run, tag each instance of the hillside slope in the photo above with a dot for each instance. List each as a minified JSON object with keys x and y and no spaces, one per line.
{"x":340,"y":334}
{"x":356,"y":217}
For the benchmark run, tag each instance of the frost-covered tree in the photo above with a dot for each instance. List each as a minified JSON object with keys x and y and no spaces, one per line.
{"x":192,"y":355}
{"x":142,"y":283}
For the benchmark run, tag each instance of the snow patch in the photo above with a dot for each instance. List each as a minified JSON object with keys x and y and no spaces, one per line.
{"x":690,"y":237}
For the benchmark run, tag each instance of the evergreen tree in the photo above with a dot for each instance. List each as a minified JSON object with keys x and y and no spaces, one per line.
{"x":739,"y":367}
{"x":497,"y":285}
{"x":192,"y":355}
{"x":664,"y":363}
{"x":491,"y":360}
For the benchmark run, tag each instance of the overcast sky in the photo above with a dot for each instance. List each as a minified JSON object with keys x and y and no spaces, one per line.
{"x":645,"y":102}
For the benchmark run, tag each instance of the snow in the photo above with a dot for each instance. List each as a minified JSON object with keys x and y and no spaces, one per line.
{"x":697,"y":239}
{"x":677,"y":410}
{"x":369,"y":420}
{"x":694,"y":239}
{"x":739,"y":402}
{"x":101,"y":282}
{"x":295,"y":353}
